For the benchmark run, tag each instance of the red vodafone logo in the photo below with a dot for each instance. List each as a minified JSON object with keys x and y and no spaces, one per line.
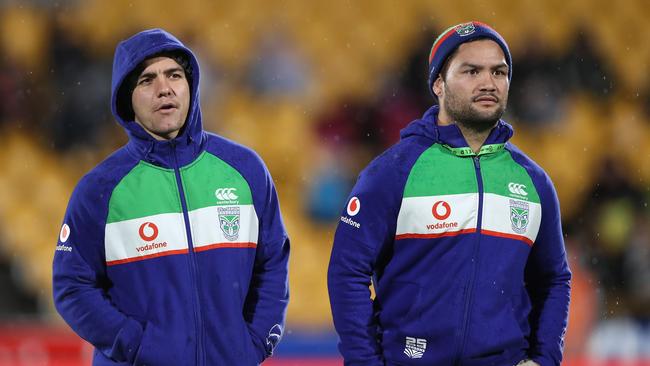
{"x":65,"y":233}
{"x":354,"y":205}
{"x":148,"y":231}
{"x":441,"y":210}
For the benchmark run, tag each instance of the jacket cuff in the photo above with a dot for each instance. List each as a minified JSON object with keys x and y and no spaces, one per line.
{"x":260,"y":347}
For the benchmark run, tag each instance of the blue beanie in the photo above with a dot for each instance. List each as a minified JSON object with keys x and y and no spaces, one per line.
{"x":453,"y":37}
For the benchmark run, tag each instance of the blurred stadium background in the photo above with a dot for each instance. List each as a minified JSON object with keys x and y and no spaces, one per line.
{"x":318,"y":88}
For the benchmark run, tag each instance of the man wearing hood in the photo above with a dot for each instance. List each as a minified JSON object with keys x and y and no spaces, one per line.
{"x":458,"y":230}
{"x":172,"y":250}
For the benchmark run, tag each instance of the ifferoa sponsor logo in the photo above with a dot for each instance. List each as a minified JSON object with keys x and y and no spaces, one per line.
{"x":441,"y":212}
{"x":148,"y":232}
{"x":63,"y":237}
{"x":353,"y":208}
{"x":229,"y":221}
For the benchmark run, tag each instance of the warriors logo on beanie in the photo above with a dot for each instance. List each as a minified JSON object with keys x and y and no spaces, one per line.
{"x":450,"y":39}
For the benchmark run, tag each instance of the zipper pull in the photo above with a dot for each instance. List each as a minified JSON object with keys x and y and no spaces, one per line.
{"x":476,"y":162}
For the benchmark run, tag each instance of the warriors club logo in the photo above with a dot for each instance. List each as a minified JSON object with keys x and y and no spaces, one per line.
{"x":441,"y":210}
{"x":229,"y":221}
{"x":465,"y":29}
{"x":354,"y":206}
{"x":148,"y":231}
{"x":519,"y":216}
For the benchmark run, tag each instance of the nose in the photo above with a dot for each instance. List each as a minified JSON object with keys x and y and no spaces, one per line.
{"x":164,"y":87}
{"x":487,"y":82}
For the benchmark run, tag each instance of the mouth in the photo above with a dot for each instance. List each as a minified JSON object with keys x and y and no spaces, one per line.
{"x":166,"y":107}
{"x":486,"y":98}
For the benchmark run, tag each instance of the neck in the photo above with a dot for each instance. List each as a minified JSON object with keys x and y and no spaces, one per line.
{"x":474,"y":138}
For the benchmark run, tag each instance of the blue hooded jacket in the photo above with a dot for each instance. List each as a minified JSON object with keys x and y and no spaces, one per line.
{"x":173,"y":252}
{"x":465,"y":253}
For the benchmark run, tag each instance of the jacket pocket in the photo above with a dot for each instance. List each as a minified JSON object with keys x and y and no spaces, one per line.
{"x":164,"y":347}
{"x":400,"y":304}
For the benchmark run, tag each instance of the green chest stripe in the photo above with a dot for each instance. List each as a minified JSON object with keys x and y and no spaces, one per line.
{"x":505,"y":177}
{"x":147,"y":190}
{"x":440,"y":172}
{"x":150,"y":190}
{"x":209,"y":181}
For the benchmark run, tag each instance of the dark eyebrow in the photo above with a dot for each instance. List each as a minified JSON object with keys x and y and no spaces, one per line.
{"x":173,"y":70}
{"x":147,"y":75}
{"x":166,"y":72}
{"x":467,"y":64}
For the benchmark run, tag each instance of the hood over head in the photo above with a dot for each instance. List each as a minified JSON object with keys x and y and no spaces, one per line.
{"x":129,"y":54}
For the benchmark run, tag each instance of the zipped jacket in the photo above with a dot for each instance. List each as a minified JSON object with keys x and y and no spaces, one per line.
{"x":465,"y":253}
{"x":173,"y":252}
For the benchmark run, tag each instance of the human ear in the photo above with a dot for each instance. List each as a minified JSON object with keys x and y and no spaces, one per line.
{"x":437,"y":86}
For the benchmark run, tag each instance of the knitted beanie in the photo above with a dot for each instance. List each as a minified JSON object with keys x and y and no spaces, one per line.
{"x":453,"y":37}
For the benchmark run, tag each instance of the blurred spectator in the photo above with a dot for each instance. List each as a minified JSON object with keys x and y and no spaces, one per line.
{"x":277,"y":69}
{"x":79,"y":92}
{"x":405,"y":95}
{"x":350,"y":122}
{"x":609,"y":217}
{"x":583,"y":313}
{"x":636,"y":266}
{"x":411,"y":76}
{"x":537,"y":93}
{"x":12,"y":93}
{"x":329,"y":184}
{"x":15,"y":302}
{"x":614,"y":229}
{"x":585,"y":69}
{"x":394,"y":113}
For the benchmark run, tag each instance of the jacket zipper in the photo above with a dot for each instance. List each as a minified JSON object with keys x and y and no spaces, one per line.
{"x":475,"y":259}
{"x":193,"y":267}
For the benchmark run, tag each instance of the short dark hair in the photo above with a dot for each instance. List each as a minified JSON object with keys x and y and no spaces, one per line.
{"x":124,"y":107}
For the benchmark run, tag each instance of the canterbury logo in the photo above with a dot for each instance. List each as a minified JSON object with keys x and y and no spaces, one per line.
{"x":226,"y":194}
{"x":517,"y":188}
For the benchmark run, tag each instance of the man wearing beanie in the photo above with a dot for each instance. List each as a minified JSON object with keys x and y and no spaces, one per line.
{"x":172,"y":250}
{"x":457,"y":229}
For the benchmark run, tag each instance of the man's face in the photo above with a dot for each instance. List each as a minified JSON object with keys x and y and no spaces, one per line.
{"x":474,"y":91}
{"x":161,"y":98}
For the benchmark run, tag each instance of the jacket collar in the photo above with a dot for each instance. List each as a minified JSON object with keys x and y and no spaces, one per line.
{"x":452,"y":137}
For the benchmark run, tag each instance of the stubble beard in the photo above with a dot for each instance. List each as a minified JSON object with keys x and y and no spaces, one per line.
{"x":464,"y":114}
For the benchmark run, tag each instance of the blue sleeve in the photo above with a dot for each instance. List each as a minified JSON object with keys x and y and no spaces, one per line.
{"x":79,"y":280}
{"x":268,"y":294}
{"x":366,"y":229}
{"x":548,"y":281}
